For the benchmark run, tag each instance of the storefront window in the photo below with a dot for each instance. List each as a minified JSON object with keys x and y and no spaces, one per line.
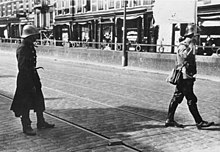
{"x":85,"y":33}
{"x":107,"y":33}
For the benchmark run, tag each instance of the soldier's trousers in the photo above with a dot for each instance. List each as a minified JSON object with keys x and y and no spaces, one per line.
{"x":184,"y":89}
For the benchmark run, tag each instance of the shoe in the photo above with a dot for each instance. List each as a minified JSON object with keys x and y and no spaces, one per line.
{"x":45,"y":125}
{"x":29,"y":131}
{"x":204,"y":124}
{"x":173,"y":124}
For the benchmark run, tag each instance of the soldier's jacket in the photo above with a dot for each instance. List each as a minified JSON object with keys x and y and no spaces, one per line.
{"x":186,"y":57}
{"x":28,"y":94}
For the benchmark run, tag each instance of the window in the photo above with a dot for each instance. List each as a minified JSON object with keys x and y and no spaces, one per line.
{"x":51,"y":17}
{"x":6,"y":10}
{"x":111,"y":4}
{"x":38,"y":20}
{"x":67,"y":7}
{"x":147,"y":2}
{"x":59,"y":11}
{"x":12,"y":9}
{"x":79,"y":6}
{"x":1,"y":9}
{"x":137,"y":2}
{"x":94,"y":5}
{"x":66,"y":11}
{"x":118,"y":3}
{"x":100,"y":4}
{"x":88,"y":7}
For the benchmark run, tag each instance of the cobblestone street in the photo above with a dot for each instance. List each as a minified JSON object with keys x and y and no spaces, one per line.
{"x":118,"y":103}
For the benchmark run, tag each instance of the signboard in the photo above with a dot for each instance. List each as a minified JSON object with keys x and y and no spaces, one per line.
{"x":175,"y":11}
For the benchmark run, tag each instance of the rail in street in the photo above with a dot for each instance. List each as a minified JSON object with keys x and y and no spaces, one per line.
{"x":126,"y":107}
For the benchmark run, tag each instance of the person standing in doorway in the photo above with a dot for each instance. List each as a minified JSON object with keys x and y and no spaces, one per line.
{"x":28,"y":94}
{"x":186,"y":58}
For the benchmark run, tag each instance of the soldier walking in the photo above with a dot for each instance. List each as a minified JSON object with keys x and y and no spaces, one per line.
{"x":186,"y":59}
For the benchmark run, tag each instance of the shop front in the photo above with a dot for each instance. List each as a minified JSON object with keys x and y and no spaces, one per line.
{"x":3,"y":27}
{"x":61,"y":33}
{"x":209,"y":28}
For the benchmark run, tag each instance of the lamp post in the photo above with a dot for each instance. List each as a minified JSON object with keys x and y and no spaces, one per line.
{"x":125,"y":53}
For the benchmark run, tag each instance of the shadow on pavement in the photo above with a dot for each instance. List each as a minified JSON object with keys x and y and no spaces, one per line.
{"x":115,"y":123}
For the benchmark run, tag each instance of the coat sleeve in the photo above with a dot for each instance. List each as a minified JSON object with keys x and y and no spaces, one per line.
{"x":25,"y":68}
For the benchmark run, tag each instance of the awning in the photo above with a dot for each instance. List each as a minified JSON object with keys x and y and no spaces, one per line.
{"x":61,"y":23}
{"x":211,"y":23}
{"x":213,"y":17}
{"x":130,"y":17}
{"x":82,"y":23}
{"x":3,"y":25}
{"x":107,"y":21}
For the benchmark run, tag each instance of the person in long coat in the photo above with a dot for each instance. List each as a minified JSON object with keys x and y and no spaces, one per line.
{"x":28,"y":94}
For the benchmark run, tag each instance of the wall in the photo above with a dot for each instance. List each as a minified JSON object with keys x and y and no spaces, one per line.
{"x":206,"y":65}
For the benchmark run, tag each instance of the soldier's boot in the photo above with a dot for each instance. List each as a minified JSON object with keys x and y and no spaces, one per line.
{"x":170,"y":122}
{"x":27,"y":129}
{"x":41,"y":123}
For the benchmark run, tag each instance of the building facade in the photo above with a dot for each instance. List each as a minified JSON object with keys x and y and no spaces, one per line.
{"x":14,"y":14}
{"x":99,"y":21}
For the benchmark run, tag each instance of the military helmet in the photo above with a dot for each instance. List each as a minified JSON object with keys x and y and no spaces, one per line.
{"x":29,"y":30}
{"x":190,"y":29}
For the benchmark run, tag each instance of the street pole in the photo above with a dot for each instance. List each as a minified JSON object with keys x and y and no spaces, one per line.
{"x":125,"y":53}
{"x":196,"y":24}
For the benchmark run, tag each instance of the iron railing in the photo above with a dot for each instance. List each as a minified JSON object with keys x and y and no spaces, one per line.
{"x":201,"y":50}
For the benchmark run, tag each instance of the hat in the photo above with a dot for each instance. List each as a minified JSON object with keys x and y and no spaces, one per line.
{"x":29,"y":30}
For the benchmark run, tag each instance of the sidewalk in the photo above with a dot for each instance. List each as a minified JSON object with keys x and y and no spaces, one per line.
{"x":62,"y":138}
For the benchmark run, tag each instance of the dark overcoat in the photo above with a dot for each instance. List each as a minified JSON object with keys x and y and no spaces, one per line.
{"x":28,"y":94}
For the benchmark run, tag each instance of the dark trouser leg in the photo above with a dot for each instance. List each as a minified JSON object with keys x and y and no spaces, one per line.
{"x":192,"y":100}
{"x":172,"y":108}
{"x":40,"y":117}
{"x":194,"y":111}
{"x":26,"y":123}
{"x":177,"y":98}
{"x":25,"y":118}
